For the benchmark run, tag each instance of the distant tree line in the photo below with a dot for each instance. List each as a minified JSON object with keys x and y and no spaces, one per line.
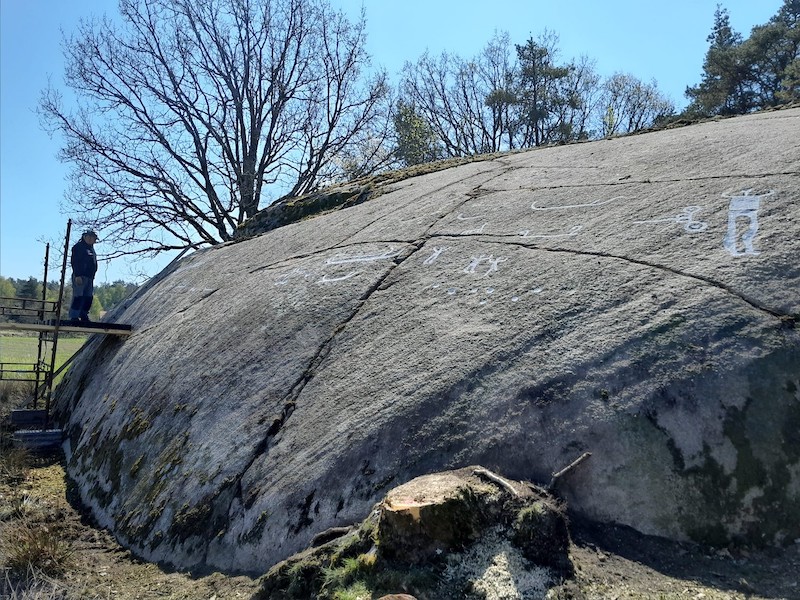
{"x":106,"y":295}
{"x":510,"y":97}
{"x":191,"y":116}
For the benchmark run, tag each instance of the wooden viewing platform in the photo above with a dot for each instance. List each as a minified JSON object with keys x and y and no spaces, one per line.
{"x":32,"y":427}
{"x":68,"y":327}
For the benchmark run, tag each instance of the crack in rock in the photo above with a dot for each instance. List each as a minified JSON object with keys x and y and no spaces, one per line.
{"x":785,"y":318}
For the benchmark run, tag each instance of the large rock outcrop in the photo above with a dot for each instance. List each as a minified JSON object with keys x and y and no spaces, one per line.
{"x":633,"y":298}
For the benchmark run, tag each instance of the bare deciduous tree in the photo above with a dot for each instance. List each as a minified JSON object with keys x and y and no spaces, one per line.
{"x":191,"y":115}
{"x":631,"y":105}
{"x":467,"y":103}
{"x":503,"y":99}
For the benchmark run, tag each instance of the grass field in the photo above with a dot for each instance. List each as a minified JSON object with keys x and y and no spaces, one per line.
{"x":22,"y":349}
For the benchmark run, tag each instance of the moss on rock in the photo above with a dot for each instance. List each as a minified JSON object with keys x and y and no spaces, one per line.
{"x":413,"y":537}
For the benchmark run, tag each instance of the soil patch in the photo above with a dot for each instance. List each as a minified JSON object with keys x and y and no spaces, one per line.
{"x":610,"y":562}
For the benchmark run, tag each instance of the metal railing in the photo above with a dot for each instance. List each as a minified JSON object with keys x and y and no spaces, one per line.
{"x":18,"y":371}
{"x":26,"y":307}
{"x":41,"y":372}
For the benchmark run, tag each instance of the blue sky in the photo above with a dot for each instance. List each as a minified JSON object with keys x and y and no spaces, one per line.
{"x":650,"y":40}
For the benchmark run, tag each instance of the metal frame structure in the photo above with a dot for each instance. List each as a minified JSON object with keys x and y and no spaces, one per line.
{"x":44,"y":317}
{"x":47,"y":316}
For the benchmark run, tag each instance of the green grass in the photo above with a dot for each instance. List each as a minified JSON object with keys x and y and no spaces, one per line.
{"x":23,"y":349}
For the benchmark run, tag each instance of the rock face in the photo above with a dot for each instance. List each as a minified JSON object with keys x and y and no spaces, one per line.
{"x":633,"y":298}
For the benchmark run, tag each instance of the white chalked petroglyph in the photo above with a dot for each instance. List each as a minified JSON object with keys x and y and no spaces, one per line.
{"x":687,"y":217}
{"x":293,"y":274}
{"x":493,"y":262}
{"x":330,"y":279}
{"x":461,"y":217}
{"x":476,"y":261}
{"x":437,"y":251}
{"x":483,"y":258}
{"x":591,"y":204}
{"x":743,"y":205}
{"x":526,"y":233}
{"x":340,"y":259}
{"x":474,"y":231}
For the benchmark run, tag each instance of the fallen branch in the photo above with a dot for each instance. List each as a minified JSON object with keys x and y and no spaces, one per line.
{"x":567,"y":469}
{"x":485,"y":473}
{"x":329,"y":535}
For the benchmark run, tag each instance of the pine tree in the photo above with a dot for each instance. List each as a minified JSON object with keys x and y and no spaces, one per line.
{"x":723,"y":89}
{"x":759,"y":72}
{"x":540,"y":91}
{"x":773,"y":51}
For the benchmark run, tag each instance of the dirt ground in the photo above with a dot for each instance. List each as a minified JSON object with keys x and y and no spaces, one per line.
{"x":618,"y":563}
{"x":611,"y":563}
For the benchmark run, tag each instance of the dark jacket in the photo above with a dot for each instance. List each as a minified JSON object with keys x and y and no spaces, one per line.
{"x":84,"y":260}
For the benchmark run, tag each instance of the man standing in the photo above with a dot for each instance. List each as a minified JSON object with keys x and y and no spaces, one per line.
{"x":84,"y":266}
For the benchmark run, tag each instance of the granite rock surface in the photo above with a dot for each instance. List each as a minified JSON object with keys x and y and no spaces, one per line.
{"x":634,"y":298}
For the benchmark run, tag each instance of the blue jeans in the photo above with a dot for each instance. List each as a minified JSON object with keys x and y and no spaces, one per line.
{"x":82,"y":297}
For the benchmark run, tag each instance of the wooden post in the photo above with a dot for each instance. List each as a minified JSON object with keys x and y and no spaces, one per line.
{"x":40,"y":351}
{"x":59,"y":301}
